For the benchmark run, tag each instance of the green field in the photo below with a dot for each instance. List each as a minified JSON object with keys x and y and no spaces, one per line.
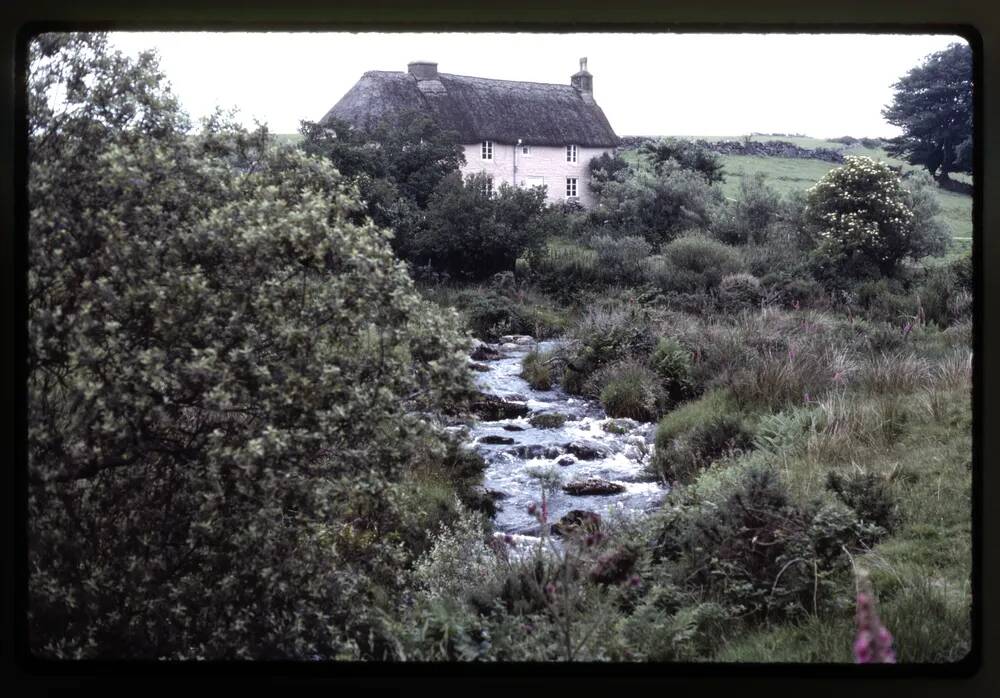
{"x":788,"y":174}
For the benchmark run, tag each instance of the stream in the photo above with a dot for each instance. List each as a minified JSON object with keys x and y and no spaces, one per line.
{"x":580,"y":449}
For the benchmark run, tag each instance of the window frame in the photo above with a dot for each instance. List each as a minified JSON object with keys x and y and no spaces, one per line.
{"x":571,"y":153}
{"x":486,"y":150}
{"x":525,"y":151}
{"x":572,"y":184}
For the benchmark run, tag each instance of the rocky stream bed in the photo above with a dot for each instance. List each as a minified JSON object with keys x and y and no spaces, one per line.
{"x":600,"y":461}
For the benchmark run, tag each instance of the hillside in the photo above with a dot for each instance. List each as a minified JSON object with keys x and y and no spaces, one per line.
{"x":788,"y":174}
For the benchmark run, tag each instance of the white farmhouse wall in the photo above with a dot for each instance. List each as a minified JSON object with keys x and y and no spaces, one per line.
{"x":547,"y":163}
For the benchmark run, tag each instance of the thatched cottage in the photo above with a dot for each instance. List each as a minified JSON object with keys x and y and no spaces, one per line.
{"x":528,"y":133}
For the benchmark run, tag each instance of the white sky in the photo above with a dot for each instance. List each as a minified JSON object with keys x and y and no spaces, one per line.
{"x":822,"y":85}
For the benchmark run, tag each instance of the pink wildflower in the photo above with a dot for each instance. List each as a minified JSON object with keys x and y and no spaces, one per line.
{"x":873,"y":643}
{"x":907,"y":328}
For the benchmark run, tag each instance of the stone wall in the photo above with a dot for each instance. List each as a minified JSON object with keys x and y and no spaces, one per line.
{"x":780,"y":149}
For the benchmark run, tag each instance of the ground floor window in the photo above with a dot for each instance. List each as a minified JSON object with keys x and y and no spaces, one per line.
{"x":571,"y":187}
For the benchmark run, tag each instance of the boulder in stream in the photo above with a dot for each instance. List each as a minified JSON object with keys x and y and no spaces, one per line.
{"x":577,"y":520}
{"x":491,"y":408}
{"x":587,"y":450}
{"x":481,"y":351}
{"x":496,"y":440}
{"x":593,"y":486}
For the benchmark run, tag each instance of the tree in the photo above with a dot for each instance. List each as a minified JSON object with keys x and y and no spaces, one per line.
{"x":862,"y":220}
{"x":396,"y":166}
{"x":474,"y":232}
{"x":225,"y":378}
{"x":933,"y":106}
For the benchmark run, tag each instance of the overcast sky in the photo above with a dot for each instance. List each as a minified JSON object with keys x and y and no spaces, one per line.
{"x":822,"y":85}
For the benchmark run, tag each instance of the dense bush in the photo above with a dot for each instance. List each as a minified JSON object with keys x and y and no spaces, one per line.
{"x":603,"y":336}
{"x":739,"y":292}
{"x":619,"y":260}
{"x":749,"y":218}
{"x":869,"y":495}
{"x":536,"y":370}
{"x":224,"y":374}
{"x":656,"y":206}
{"x":672,"y":364}
{"x":681,"y":458}
{"x":472,"y":232}
{"x":667,"y":154}
{"x":629,"y":389}
{"x":930,"y":236}
{"x":751,"y":548}
{"x":693,"y":264}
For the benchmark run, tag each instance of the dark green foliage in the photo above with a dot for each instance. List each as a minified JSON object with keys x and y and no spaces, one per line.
{"x":672,"y":363}
{"x":755,"y":551}
{"x":536,"y":370}
{"x":224,"y":373}
{"x":670,"y":153}
{"x":943,"y":296}
{"x":472,"y":232}
{"x":658,"y":206}
{"x":693,"y":264}
{"x":869,"y":495}
{"x":619,"y":260}
{"x":605,"y":167}
{"x":739,"y":292}
{"x":683,"y":457}
{"x":933,"y":105}
{"x":629,"y":389}
{"x":750,"y":217}
{"x":603,"y":336}
{"x":930,"y":236}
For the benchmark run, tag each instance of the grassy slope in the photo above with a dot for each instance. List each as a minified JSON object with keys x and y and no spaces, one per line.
{"x":788,"y":174}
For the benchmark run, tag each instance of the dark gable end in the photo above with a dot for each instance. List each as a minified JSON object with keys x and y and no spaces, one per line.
{"x":480,"y":108}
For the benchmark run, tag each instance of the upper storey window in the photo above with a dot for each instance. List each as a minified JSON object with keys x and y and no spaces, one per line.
{"x":570,"y":153}
{"x":487,"y":150}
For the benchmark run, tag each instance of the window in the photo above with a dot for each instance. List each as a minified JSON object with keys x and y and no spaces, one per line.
{"x":526,"y":150}
{"x":570,"y":153}
{"x":571,"y":187}
{"x":487,"y":150}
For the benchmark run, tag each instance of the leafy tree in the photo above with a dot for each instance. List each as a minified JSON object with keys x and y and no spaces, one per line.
{"x":862,"y":220}
{"x":474,"y":232}
{"x":933,"y":106}
{"x":673,"y":152}
{"x":225,"y":375}
{"x":396,"y":166}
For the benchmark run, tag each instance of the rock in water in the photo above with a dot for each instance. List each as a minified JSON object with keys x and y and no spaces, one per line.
{"x":482,"y":368}
{"x":593,"y":486}
{"x":513,"y":427}
{"x":577,"y":520}
{"x":491,"y":408}
{"x":587,"y":450}
{"x":566,"y":460}
{"x":535,"y":451}
{"x":496,"y":440}
{"x":481,"y":351}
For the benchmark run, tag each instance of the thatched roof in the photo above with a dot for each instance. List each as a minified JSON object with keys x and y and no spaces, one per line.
{"x":480,"y":108}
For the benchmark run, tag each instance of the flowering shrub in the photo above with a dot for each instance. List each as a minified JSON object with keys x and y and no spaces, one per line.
{"x":861,"y":219}
{"x":225,"y":377}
